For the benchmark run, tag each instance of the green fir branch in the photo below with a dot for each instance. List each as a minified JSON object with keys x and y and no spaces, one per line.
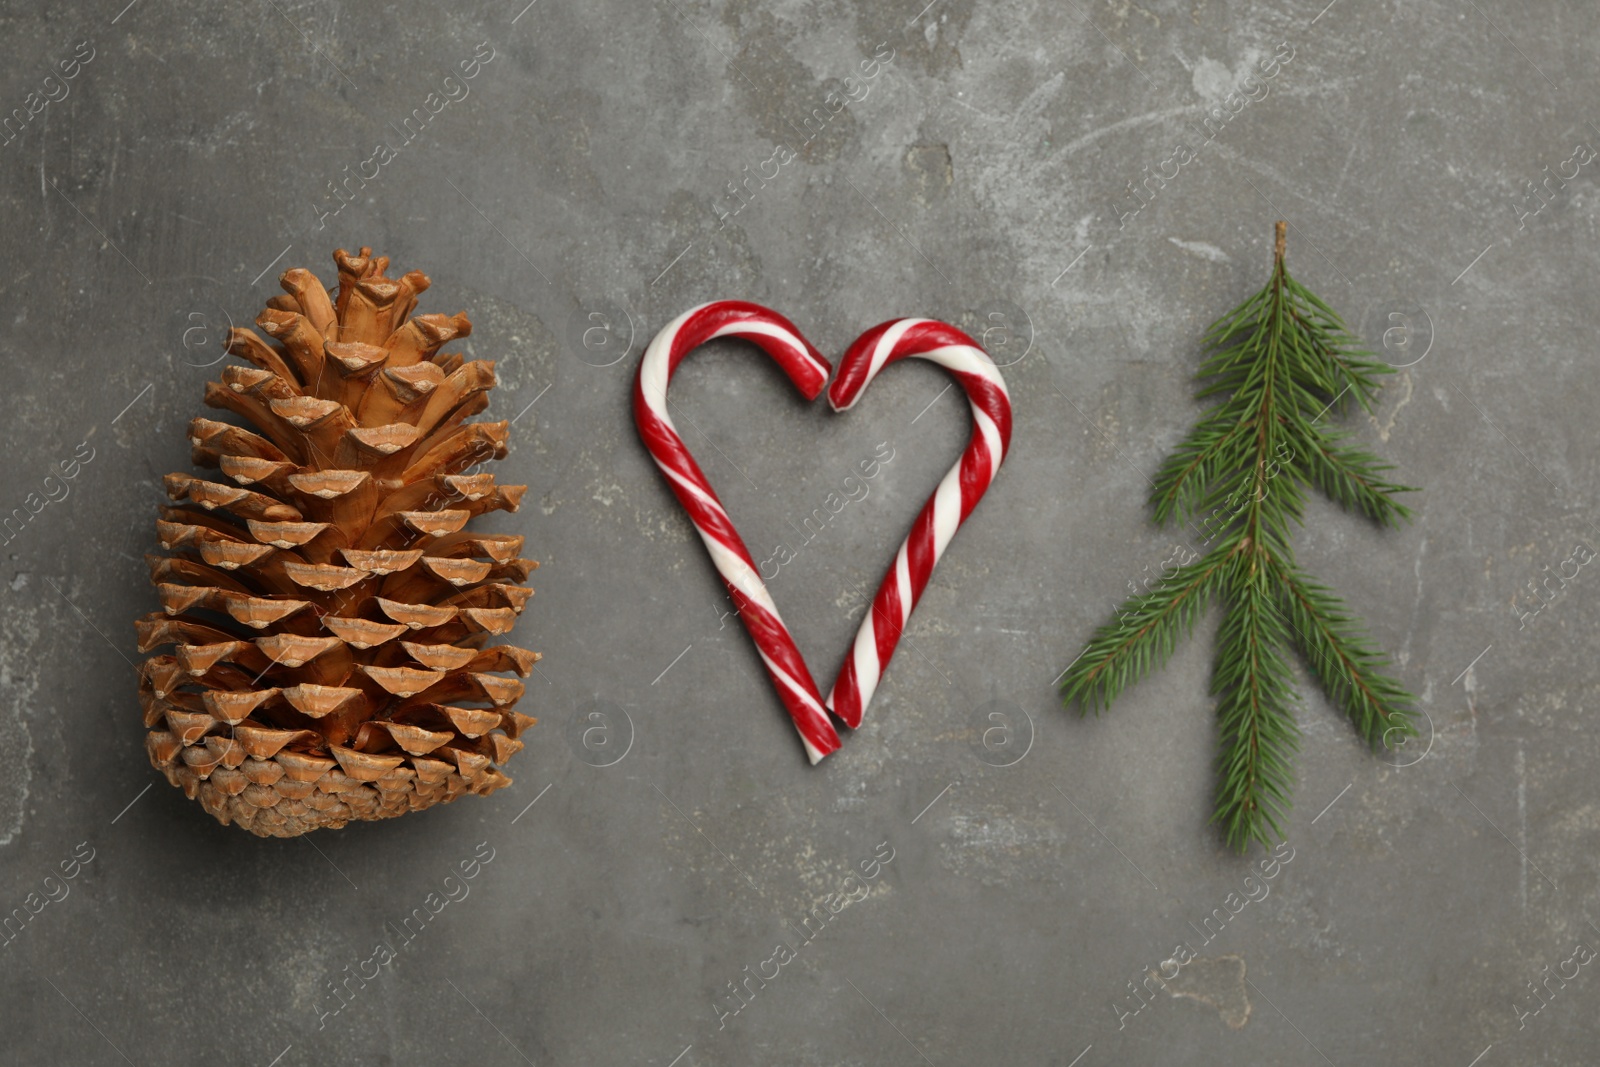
{"x":1276,"y":368}
{"x":1346,"y":367}
{"x":1195,"y":464}
{"x":1354,"y":479}
{"x":1144,"y":634}
{"x":1255,"y":712}
{"x":1345,"y":662}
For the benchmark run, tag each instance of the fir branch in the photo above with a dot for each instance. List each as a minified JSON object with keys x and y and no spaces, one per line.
{"x":1196,"y":464}
{"x":1353,"y":479}
{"x":1344,"y":661}
{"x":1334,"y":351}
{"x":1254,"y":713}
{"x":1143,"y":636}
{"x":1275,"y":367}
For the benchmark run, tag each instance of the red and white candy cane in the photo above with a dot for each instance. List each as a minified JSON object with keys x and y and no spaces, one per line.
{"x":958,"y":493}
{"x":778,"y":337}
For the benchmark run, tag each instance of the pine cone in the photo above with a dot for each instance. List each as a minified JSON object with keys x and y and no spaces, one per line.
{"x":329,"y":611}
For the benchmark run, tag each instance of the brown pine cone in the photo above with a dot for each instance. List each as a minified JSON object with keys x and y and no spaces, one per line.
{"x":328,"y":608}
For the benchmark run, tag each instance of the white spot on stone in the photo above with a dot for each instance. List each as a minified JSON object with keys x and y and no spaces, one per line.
{"x":1203,"y":250}
{"x":19,"y":638}
{"x":1212,"y":80}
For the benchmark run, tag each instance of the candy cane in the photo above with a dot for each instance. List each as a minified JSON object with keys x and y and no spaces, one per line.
{"x":958,"y":493}
{"x":778,"y":337}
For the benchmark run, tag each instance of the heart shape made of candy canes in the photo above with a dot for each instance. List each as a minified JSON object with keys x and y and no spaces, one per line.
{"x":957,"y":493}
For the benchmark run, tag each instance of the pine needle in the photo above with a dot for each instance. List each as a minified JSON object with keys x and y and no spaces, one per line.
{"x":1279,"y":366}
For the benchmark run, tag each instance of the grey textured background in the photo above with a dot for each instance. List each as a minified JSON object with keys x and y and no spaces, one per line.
{"x":982,"y":175}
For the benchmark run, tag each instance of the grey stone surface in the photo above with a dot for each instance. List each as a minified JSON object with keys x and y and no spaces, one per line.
{"x":984,"y":167}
